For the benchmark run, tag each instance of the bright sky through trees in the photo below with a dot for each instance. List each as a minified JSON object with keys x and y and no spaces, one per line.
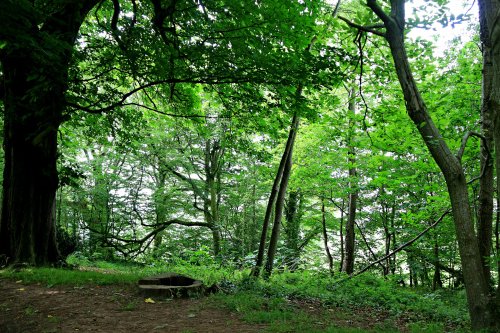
{"x":444,"y":34}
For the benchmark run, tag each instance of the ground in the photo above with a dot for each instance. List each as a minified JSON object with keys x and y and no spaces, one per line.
{"x":37,"y":308}
{"x":119,"y":308}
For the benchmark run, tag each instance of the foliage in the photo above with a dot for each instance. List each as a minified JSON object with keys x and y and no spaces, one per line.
{"x":173,"y":133}
{"x":276,"y":302}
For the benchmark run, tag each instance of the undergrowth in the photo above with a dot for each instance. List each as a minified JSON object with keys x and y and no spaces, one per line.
{"x":288,"y":302}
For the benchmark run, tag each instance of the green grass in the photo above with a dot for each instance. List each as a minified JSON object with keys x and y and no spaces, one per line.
{"x":56,"y":276}
{"x":274,"y":302}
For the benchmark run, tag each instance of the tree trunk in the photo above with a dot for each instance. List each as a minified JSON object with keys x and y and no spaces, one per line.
{"x":437,"y":282}
{"x":341,"y":236}
{"x":450,"y":165}
{"x":272,"y":196}
{"x":280,"y":200}
{"x":325,"y":237}
{"x":213,"y":154}
{"x":348,"y":264}
{"x":393,"y":234}
{"x":27,"y":229}
{"x":485,"y":210}
{"x":292,"y":228}
{"x":34,"y":81}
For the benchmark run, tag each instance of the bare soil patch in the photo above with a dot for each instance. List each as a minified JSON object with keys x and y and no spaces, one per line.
{"x":37,"y":308}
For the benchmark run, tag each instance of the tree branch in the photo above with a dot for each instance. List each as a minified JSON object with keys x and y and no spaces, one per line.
{"x":122,"y":100}
{"x":375,"y":7}
{"x":191,"y":182}
{"x":160,"y":227}
{"x":368,"y":245}
{"x":403,"y":246}
{"x":370,"y":29}
{"x":464,"y":143}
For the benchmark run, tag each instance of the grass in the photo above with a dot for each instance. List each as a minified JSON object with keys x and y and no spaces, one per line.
{"x":288,"y":302}
{"x":56,"y":276}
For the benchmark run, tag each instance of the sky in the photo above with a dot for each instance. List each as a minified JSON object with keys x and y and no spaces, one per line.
{"x":443,"y":35}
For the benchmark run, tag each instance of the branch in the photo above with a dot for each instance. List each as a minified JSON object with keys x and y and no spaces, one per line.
{"x":161,"y":226}
{"x":172,"y":114}
{"x":114,"y":25}
{"x":368,"y":245}
{"x":435,"y":261}
{"x":375,"y":7}
{"x":309,"y":237}
{"x":191,"y":182}
{"x":121,"y":101}
{"x":464,"y":143}
{"x":370,"y":29}
{"x":336,"y":9}
{"x":402,"y":246}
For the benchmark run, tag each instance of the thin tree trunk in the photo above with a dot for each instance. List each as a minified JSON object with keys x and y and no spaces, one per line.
{"x":292,"y":230}
{"x":348,"y":264}
{"x":497,"y":247}
{"x":393,"y":233}
{"x":436,"y":281}
{"x":253,"y":239}
{"x":272,"y":197}
{"x":213,"y":153}
{"x":280,"y":201}
{"x":342,"y":252}
{"x":325,"y":237}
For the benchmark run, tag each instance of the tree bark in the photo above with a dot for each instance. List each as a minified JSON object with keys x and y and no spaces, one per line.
{"x":272,"y":196}
{"x":489,"y":19}
{"x":293,"y":212}
{"x":278,"y":213}
{"x":34,"y":84}
{"x":325,"y":237}
{"x":348,"y":263}
{"x":437,"y":282}
{"x":341,"y":236}
{"x":450,"y":165}
{"x":486,"y":184}
{"x":213,"y":163}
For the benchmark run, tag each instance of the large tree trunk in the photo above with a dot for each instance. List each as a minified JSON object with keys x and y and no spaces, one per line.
{"x":27,"y":227}
{"x":489,"y":19}
{"x":34,"y":81}
{"x":485,"y":210}
{"x":450,"y":165}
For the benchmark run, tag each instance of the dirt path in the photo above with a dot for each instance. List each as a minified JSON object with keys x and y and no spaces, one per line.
{"x":36,"y":308}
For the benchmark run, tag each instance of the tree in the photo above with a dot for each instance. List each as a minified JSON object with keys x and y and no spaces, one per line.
{"x":56,"y":59}
{"x":480,"y":307}
{"x":348,"y":263}
{"x":35,"y":56}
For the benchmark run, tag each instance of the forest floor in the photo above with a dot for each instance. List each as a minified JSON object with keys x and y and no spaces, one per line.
{"x":118,"y":308}
{"x":37,"y":308}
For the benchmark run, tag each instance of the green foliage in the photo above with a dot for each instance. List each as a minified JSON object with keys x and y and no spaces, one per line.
{"x":366,"y":291}
{"x":282,"y":301}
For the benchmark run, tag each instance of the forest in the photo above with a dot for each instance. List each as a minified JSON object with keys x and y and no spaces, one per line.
{"x":331,"y":153}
